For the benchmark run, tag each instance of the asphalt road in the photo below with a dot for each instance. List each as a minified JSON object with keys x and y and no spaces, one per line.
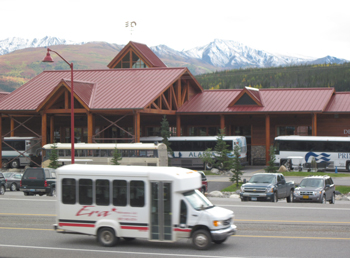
{"x":264,"y":230}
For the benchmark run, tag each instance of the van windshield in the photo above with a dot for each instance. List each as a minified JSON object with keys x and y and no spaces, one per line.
{"x":197,"y":200}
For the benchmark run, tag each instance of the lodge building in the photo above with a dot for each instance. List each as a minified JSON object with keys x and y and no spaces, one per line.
{"x":129,"y":99}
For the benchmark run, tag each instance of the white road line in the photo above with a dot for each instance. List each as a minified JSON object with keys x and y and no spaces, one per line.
{"x":29,"y":200}
{"x":284,"y":207}
{"x":114,"y":252}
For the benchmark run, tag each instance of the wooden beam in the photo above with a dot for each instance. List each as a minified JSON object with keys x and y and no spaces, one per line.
{"x":155,"y":105}
{"x":12,"y":128}
{"x":314,"y":124}
{"x":222,"y":122}
{"x":43,"y":129}
{"x":170,"y":99}
{"x":166,"y":102}
{"x":184,"y":94}
{"x":66,"y":100}
{"x":137,"y":126}
{"x":90,"y":127}
{"x":155,"y":111}
{"x":178,"y":93}
{"x":267,"y":144}
{"x":178,"y":125}
{"x":174,"y":97}
{"x":65,"y":111}
{"x":52,"y":129}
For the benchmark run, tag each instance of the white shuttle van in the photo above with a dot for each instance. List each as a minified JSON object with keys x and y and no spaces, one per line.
{"x":154,"y":203}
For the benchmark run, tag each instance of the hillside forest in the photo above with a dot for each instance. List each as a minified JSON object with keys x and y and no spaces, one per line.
{"x":302,"y":76}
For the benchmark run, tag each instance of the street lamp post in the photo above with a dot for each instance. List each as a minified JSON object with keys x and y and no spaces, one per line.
{"x":49,"y":59}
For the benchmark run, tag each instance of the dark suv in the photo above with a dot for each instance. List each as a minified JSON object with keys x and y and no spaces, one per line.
{"x":2,"y":184}
{"x":315,"y":189}
{"x":39,"y":181}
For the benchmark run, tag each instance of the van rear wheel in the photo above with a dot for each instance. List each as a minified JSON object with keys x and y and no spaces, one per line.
{"x":201,"y":239}
{"x":107,"y":237}
{"x":14,"y":164}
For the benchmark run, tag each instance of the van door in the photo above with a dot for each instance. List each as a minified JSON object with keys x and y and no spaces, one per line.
{"x":161,"y":212}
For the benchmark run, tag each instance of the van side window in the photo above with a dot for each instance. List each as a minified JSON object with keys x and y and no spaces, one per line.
{"x":102,"y":192}
{"x":137,"y":193}
{"x":68,"y":191}
{"x":119,"y":193}
{"x":183,"y":212}
{"x":85,"y":191}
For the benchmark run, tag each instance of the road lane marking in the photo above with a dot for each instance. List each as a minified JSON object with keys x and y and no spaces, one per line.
{"x":44,"y":229}
{"x":285,"y":207}
{"x":115,"y":252}
{"x":294,"y":221}
{"x":296,"y":237}
{"x":27,"y":200}
{"x":23,"y":214}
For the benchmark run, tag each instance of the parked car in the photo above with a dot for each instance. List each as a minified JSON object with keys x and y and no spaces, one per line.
{"x":204,"y":187}
{"x":267,"y":187}
{"x":39,"y":181}
{"x":2,"y":184}
{"x":315,"y":189}
{"x":13,"y":180}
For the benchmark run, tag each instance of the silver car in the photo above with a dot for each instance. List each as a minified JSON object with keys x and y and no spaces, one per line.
{"x":13,"y":180}
{"x":315,"y":189}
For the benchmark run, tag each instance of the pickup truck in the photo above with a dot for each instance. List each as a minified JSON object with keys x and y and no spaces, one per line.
{"x":38,"y":181}
{"x":267,"y":187}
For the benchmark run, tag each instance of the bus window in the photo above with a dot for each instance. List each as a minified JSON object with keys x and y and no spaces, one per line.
{"x":103,"y":153}
{"x":68,"y":191}
{"x":85,"y":191}
{"x":81,"y":153}
{"x":68,"y":153}
{"x":61,"y":153}
{"x":89,"y":153}
{"x":132,"y":153}
{"x":119,"y":193}
{"x":102,"y":192}
{"x":96,"y":153}
{"x":137,"y":193}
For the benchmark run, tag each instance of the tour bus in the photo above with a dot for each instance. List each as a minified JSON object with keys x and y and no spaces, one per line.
{"x":329,"y":150}
{"x":187,"y":150}
{"x":18,"y":151}
{"x":153,"y":203}
{"x":137,"y":154}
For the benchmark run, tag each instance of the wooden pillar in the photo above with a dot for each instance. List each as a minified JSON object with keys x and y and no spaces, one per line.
{"x":12,"y":126}
{"x":178,"y":125}
{"x":90,"y":126}
{"x":52,"y":129}
{"x":314,"y":124}
{"x":222,"y":122}
{"x":267,"y":144}
{"x":178,"y":93}
{"x":43,"y":129}
{"x":137,"y":126}
{"x":66,"y":100}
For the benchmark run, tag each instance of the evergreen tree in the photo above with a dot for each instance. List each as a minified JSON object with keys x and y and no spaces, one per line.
{"x":271,"y":167}
{"x":116,"y":156}
{"x":53,"y":156}
{"x":237,"y":167}
{"x":165,"y":133}
{"x":207,"y":157}
{"x":223,"y":155}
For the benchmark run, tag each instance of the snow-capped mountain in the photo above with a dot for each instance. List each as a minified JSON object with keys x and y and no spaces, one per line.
{"x":11,"y":44}
{"x":231,"y":54}
{"x":328,"y":60}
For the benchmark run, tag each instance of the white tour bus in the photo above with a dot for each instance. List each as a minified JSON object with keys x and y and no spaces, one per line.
{"x":187,"y":150}
{"x":154,"y":203}
{"x":18,"y":151}
{"x":329,"y":150}
{"x":137,"y":154}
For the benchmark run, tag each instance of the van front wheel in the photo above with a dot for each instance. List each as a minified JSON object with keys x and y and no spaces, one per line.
{"x":107,"y":237}
{"x":201,"y":239}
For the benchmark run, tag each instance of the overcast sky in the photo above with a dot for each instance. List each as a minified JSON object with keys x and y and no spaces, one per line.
{"x":307,"y":28}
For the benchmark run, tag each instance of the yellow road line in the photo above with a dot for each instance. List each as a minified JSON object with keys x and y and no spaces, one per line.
{"x":296,"y":237}
{"x":295,"y":221}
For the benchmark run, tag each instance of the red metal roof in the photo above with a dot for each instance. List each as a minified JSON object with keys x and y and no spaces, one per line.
{"x":3,"y":95}
{"x":340,"y":102}
{"x":145,"y":51}
{"x":101,"y":89}
{"x":273,"y":100}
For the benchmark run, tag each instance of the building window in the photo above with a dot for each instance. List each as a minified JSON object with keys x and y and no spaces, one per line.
{"x":294,"y":130}
{"x":137,"y":62}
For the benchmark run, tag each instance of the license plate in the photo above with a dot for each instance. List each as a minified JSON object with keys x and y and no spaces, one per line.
{"x":32,"y":190}
{"x":305,"y":197}
{"x":254,"y":198}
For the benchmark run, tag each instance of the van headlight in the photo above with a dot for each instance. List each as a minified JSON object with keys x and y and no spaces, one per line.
{"x":242,"y":188}
{"x":217,"y":223}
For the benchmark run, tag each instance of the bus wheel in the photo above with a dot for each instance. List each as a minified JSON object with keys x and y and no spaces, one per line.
{"x":107,"y":237}
{"x":208,"y":166}
{"x":14,"y":164}
{"x":201,"y":239}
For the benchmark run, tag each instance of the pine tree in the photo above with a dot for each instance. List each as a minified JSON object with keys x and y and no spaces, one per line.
{"x":237,"y":167}
{"x":223,"y":155}
{"x":165,"y":133}
{"x":207,"y":158}
{"x":116,"y":156}
{"x":53,"y":157}
{"x":271,"y":167}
